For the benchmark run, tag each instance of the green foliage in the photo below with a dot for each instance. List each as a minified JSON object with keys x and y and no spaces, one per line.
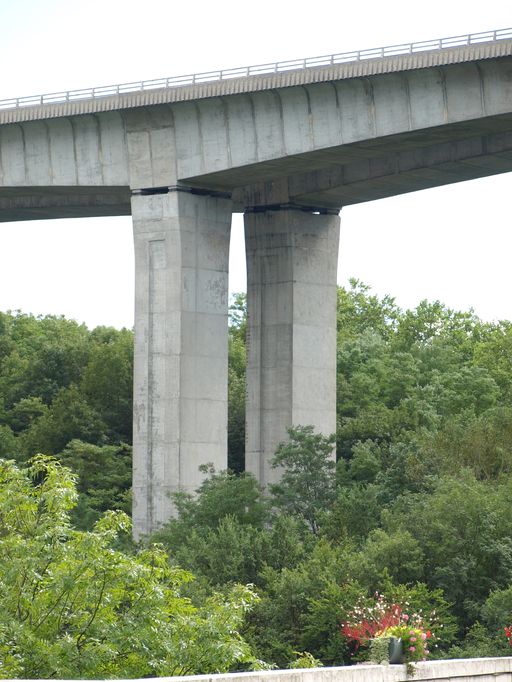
{"x":431,"y":607}
{"x":107,"y":382}
{"x":358,"y":311}
{"x":236,"y":382}
{"x":74,"y":607}
{"x":497,"y":610}
{"x":59,"y":383}
{"x":220,"y":494}
{"x":478,"y":643}
{"x":466,"y":538}
{"x":104,"y":479}
{"x":418,"y":506}
{"x":304,"y":660}
{"x":291,"y":614}
{"x":8,"y":444}
{"x":355,"y":512}
{"x":236,"y":402}
{"x":70,"y":417}
{"x":307,"y":484}
{"x":396,"y":555}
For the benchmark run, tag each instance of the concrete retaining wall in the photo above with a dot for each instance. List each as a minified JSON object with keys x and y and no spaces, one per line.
{"x":461,"y":670}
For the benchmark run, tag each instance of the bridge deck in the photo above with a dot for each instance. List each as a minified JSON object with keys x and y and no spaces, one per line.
{"x":255,"y":83}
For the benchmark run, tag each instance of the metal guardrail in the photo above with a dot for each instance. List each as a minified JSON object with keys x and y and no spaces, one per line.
{"x":259,"y":69}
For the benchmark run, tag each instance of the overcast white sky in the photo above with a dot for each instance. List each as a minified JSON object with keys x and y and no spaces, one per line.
{"x":452,"y":243}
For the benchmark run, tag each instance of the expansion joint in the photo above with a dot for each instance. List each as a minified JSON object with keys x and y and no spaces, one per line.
{"x":322,"y":210}
{"x":201,"y":191}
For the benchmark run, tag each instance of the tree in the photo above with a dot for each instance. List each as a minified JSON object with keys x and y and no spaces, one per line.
{"x":308,"y":484}
{"x":107,"y":382}
{"x":236,"y":382}
{"x":73,"y":607}
{"x":464,"y":529}
{"x":70,"y":417}
{"x":104,"y":478}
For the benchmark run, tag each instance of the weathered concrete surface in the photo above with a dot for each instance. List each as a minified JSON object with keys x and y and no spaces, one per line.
{"x":257,"y":138}
{"x":292,"y":259}
{"x":314,"y":140}
{"x":462,"y":670}
{"x":180,"y":373}
{"x":41,"y":203}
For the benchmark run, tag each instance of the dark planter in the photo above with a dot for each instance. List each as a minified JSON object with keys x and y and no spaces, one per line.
{"x":396,"y":650}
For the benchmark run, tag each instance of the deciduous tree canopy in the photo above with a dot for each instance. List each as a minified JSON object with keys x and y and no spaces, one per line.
{"x":417,"y":506}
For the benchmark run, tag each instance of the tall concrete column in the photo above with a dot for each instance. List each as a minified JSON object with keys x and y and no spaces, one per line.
{"x":180,"y":373}
{"x":291,"y":299}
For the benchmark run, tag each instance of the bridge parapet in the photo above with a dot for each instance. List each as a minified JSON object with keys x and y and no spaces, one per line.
{"x":244,"y":79}
{"x":462,"y":670}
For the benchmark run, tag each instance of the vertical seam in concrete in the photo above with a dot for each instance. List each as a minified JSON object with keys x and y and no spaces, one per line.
{"x":153,"y":245}
{"x":371,"y":105}
{"x":445,"y":94}
{"x":75,"y":157}
{"x":200,"y":134}
{"x":100,"y":148}
{"x":150,"y":154}
{"x":226,"y":125}
{"x":254,"y":127}
{"x":281,"y":121}
{"x":338,"y":109}
{"x":50,"y":161}
{"x":481,"y":83}
{"x":126,"y":153}
{"x":150,"y":384}
{"x":23,"y":144}
{"x":310,"y":117}
{"x":405,"y":82}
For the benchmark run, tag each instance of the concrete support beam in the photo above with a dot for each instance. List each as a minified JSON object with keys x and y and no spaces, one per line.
{"x":180,"y":374}
{"x":291,"y":297}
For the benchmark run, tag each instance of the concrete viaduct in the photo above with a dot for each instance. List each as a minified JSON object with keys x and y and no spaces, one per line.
{"x":289,"y":148}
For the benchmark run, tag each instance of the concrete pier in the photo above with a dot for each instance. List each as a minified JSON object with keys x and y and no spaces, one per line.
{"x":291,"y":300}
{"x":180,"y":373}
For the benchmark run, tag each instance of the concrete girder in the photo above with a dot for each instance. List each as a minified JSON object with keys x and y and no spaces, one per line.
{"x":395,"y":173}
{"x":42,"y":203}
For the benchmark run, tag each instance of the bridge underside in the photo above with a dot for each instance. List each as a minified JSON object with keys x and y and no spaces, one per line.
{"x":331,"y":178}
{"x":373,"y":169}
{"x":44,"y":203}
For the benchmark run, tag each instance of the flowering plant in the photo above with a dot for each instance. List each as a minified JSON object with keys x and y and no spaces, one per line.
{"x":414,"y":641}
{"x":508,"y":634}
{"x":382,"y":619}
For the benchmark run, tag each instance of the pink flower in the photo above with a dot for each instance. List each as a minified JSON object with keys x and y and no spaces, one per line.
{"x":413,"y":639}
{"x":423,"y":635}
{"x":412,"y":648}
{"x":405,"y":617}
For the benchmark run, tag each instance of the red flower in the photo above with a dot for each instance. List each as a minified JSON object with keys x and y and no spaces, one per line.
{"x":508,"y":634}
